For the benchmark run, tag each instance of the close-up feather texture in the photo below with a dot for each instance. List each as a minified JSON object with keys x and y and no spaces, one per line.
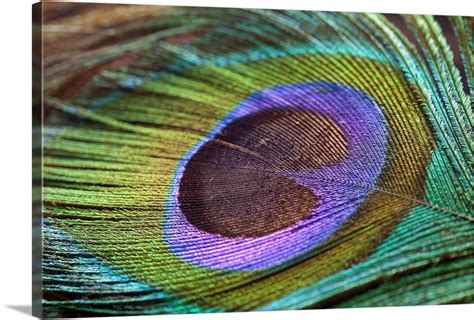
{"x":213,"y":160}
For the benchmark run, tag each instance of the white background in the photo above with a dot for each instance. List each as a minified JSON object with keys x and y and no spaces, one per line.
{"x":15,"y":155}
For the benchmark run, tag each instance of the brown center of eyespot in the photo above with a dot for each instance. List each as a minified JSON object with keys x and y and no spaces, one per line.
{"x":235,"y":184}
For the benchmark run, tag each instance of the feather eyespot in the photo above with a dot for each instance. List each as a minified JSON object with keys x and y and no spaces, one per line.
{"x":214,"y":200}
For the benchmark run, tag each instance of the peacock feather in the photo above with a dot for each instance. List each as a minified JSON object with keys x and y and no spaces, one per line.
{"x":209,"y":160}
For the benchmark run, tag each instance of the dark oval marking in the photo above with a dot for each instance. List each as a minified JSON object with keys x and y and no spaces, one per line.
{"x":234,"y":184}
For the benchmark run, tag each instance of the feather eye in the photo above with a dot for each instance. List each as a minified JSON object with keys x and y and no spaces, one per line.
{"x":224,"y":159}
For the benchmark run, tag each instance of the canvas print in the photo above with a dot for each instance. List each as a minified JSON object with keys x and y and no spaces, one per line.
{"x":196,"y":160}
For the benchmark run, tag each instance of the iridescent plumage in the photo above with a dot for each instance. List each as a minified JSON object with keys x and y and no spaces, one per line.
{"x":204,"y":160}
